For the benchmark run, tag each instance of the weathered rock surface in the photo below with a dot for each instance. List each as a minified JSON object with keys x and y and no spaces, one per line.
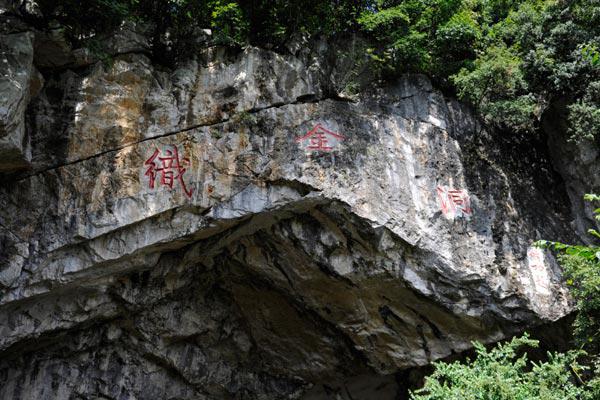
{"x":578,"y":163}
{"x":19,"y":81}
{"x":253,"y":267}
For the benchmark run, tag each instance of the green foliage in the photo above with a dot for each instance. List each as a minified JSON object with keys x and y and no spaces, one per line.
{"x":430,"y":36}
{"x":454,"y":44}
{"x":380,"y":23}
{"x":171,"y":24}
{"x":583,"y":275}
{"x":85,"y":18}
{"x":228,"y":22}
{"x":582,"y":270}
{"x":501,"y":374}
{"x":584,"y":114}
{"x":272,"y":22}
{"x":174,"y":24}
{"x":496,"y":85}
{"x":552,"y":56}
{"x":510,"y":58}
{"x":589,"y":52}
{"x":581,"y":266}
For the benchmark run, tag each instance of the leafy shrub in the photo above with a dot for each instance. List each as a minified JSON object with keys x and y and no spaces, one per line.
{"x":581,"y":265}
{"x":584,"y":114}
{"x":500,"y":374}
{"x":228,"y":22}
{"x":582,"y":270}
{"x":497,"y":86}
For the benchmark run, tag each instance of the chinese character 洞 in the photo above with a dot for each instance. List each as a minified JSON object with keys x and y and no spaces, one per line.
{"x":319,"y":139}
{"x":454,"y":202}
{"x":168,"y":167}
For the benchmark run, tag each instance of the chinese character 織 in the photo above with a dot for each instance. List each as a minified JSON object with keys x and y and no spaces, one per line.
{"x":169,"y":168}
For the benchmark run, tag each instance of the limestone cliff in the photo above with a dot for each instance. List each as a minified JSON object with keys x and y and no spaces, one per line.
{"x":241,"y":227}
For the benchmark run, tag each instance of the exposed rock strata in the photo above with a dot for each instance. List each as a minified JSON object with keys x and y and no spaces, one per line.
{"x":283,"y":268}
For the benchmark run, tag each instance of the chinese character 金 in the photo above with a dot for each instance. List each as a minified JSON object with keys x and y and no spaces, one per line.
{"x":169,"y":168}
{"x":319,"y":139}
{"x":319,"y":142}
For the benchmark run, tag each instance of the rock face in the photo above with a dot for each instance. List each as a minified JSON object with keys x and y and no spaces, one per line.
{"x":237,"y":228}
{"x":19,"y":81}
{"x":578,"y":163}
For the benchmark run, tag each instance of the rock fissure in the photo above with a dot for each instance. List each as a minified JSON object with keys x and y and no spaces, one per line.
{"x":171,"y":133}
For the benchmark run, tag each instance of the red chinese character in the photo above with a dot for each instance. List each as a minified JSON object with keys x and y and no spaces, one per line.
{"x":460,"y":199}
{"x":319,"y":142}
{"x":320,"y":138}
{"x":171,"y":168}
{"x":454,"y":202}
